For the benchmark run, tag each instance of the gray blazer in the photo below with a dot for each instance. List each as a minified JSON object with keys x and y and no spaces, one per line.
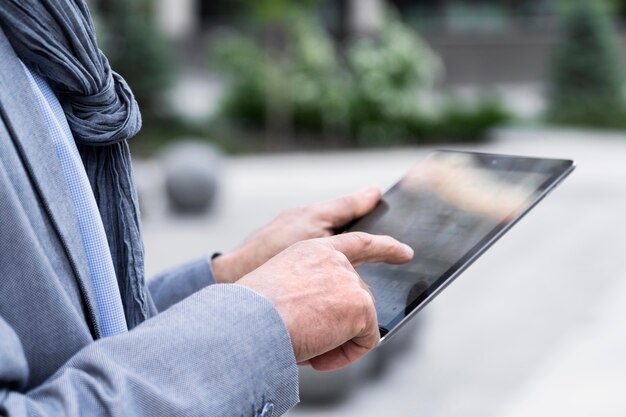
{"x":213,"y":350}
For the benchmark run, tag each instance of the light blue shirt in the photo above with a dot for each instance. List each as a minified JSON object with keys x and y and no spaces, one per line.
{"x":109,"y":302}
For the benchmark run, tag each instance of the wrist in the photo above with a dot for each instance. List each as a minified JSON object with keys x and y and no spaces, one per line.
{"x":222,"y":266}
{"x":229,"y":268}
{"x":258,"y":285}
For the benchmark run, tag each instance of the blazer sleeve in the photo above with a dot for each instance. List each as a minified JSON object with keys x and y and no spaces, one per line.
{"x":223,"y":351}
{"x":178,"y":283}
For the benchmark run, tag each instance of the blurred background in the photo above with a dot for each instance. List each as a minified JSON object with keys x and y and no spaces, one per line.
{"x":251,"y":107}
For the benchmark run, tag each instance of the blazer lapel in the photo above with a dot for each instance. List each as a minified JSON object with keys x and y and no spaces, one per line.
{"x":29,"y":132}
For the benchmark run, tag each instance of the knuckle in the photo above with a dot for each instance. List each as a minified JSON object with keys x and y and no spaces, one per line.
{"x":318,"y":246}
{"x":341,"y":257}
{"x":368,"y":302}
{"x":364,"y":239}
{"x":360,"y":299}
{"x":388,"y":240}
{"x":374,"y":340}
{"x":364,"y":306}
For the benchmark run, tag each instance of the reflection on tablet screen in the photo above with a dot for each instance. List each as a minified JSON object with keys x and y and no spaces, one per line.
{"x":445,"y":209}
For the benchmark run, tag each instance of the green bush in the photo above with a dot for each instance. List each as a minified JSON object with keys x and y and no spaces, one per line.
{"x":587,"y":82}
{"x":390,"y":71}
{"x":377,"y":91}
{"x":247,"y":67}
{"x":469,"y":121}
{"x":308,"y":84}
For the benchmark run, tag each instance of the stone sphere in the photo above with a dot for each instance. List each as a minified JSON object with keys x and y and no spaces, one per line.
{"x":192,"y":174}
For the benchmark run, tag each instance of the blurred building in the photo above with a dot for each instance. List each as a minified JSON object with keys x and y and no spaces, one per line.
{"x":501,"y":45}
{"x":480,"y":41}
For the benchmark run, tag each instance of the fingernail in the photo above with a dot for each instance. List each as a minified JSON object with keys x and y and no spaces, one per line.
{"x":408,"y":250}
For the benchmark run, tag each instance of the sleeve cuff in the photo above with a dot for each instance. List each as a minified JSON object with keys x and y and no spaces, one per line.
{"x":178,"y":283}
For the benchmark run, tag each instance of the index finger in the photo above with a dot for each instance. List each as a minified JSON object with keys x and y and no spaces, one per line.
{"x":362,"y":248}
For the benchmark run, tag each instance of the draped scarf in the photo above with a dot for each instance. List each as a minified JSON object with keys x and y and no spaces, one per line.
{"x":56,"y":39}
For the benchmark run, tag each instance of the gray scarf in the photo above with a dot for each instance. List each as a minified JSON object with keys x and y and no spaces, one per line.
{"x":56,"y":38}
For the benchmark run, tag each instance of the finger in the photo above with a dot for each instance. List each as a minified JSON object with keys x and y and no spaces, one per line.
{"x":352,"y":350}
{"x":362,"y":248}
{"x":343,"y":210}
{"x":338,"y":358}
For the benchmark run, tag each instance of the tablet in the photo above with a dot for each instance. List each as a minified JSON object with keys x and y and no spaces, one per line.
{"x":449,"y":208}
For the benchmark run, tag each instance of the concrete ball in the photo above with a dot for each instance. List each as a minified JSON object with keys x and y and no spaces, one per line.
{"x":192,"y":175}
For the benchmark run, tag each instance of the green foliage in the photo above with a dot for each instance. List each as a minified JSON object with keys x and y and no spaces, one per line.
{"x":274,"y":10}
{"x":310,"y":84}
{"x":318,"y":91}
{"x":377,"y":91}
{"x":389,"y":73}
{"x":469,"y":121}
{"x":247,"y":67}
{"x":137,"y":50}
{"x":587,"y":82}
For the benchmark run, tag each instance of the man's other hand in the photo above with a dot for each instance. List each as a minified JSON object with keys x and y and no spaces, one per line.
{"x":291,"y":226}
{"x":328,"y":310}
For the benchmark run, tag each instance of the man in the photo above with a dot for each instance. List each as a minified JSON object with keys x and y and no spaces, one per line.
{"x":80,"y":333}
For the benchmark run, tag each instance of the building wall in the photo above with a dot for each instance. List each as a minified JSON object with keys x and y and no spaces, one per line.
{"x":506,"y":58}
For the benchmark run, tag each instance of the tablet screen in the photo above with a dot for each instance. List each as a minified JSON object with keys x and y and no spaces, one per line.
{"x":447,"y":208}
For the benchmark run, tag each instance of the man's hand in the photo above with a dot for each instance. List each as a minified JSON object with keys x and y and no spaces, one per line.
{"x":327,"y":308}
{"x":291,"y":226}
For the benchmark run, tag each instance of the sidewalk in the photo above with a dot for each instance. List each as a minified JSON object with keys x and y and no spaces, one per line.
{"x":535,"y":327}
{"x":587,"y":375}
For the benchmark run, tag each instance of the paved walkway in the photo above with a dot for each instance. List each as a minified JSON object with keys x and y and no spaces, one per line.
{"x":535,"y":327}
